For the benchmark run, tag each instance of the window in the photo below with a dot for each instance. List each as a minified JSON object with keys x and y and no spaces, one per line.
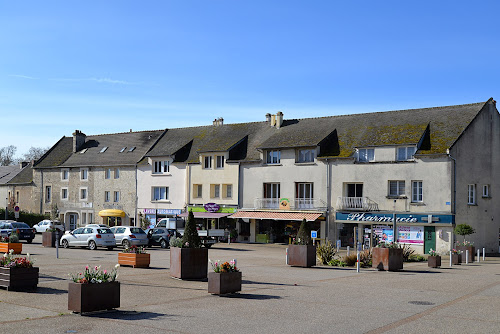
{"x":220,"y":161}
{"x":406,"y":153}
{"x":84,"y":174}
{"x":416,"y":191}
{"x":132,"y":149}
{"x":227,"y":190}
{"x":90,"y":218}
{"x":366,"y":154}
{"x":396,"y":188}
{"x":355,"y":190}
{"x":271,"y":196}
{"x":305,"y":156}
{"x":83,"y":193}
{"x":471,"y":194}
{"x":273,"y":157}
{"x":486,"y":190}
{"x":116,"y":196}
{"x":103,"y":149}
{"x":117,"y":173}
{"x":197,"y":191}
{"x":160,"y":167}
{"x":208,"y":162}
{"x":107,"y":196}
{"x":84,"y":218}
{"x":160,"y":193}
{"x":304,"y":195}
{"x":65,"y":174}
{"x":48,"y":194}
{"x":215,"y":190}
{"x":123,"y":149}
{"x":83,"y":151}
{"x":107,"y":173}
{"x":64,"y":193}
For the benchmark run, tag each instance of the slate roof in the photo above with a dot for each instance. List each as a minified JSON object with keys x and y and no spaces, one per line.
{"x":57,"y":154}
{"x":8,"y":172}
{"x":25,"y":176}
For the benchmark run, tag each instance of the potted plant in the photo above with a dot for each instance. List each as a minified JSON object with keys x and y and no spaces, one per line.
{"x":11,"y":243}
{"x":17,"y":272}
{"x":225,"y":278}
{"x":464,"y":230}
{"x":94,"y":290}
{"x":434,"y":260}
{"x":301,"y":252}
{"x":187,"y":259}
{"x":134,"y":256}
{"x":456,"y":256}
{"x":387,"y":256}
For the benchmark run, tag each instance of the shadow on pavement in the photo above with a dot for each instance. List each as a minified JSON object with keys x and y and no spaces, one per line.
{"x":127,"y":315}
{"x":49,"y":291}
{"x":249,"y":296}
{"x":266,"y":283}
{"x":233,"y":249}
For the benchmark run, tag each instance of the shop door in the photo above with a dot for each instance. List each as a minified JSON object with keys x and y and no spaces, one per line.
{"x":429,"y":238}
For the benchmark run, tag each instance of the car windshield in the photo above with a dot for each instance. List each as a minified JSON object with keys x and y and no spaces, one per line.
{"x":104,"y":231}
{"x":137,"y":230}
{"x":20,"y":225}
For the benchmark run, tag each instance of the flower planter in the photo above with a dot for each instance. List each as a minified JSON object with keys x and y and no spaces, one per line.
{"x":93,"y":297}
{"x":188,"y":263}
{"x":136,"y":260}
{"x":18,"y":278}
{"x":301,"y":255}
{"x":5,"y":247}
{"x":390,"y":259}
{"x":456,"y":258}
{"x":49,"y":239}
{"x":434,"y":261}
{"x":471,"y":250}
{"x":222,"y":283}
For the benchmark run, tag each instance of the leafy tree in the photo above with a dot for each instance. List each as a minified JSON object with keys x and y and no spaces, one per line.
{"x":304,"y":234}
{"x":191,"y":239}
{"x":463,"y":230}
{"x":7,"y":155}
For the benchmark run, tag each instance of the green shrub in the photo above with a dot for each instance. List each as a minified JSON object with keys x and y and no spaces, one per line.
{"x":337,"y":263}
{"x":407,"y":252}
{"x":14,"y":238}
{"x":365,"y":259}
{"x":175,"y":242}
{"x":325,"y":252}
{"x":416,"y":258}
{"x":304,"y":234}
{"x":350,"y":260}
{"x":191,"y":239}
{"x":463,"y":230}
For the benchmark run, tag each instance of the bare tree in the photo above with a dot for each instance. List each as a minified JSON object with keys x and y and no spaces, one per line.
{"x":7,"y":155}
{"x":35,"y":153}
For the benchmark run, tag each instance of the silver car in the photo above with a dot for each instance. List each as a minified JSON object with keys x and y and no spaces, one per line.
{"x":129,"y":235}
{"x":91,"y":237}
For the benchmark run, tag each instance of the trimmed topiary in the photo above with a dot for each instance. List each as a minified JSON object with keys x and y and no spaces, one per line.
{"x":191,"y":239}
{"x":304,"y":234}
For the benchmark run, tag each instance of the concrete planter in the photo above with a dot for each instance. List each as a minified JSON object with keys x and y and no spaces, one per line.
{"x":456,"y":259}
{"x":434,"y":261}
{"x":135,"y":260}
{"x":5,"y":247}
{"x":189,"y":263}
{"x":471,"y":250}
{"x":18,"y":278}
{"x":222,"y":283}
{"x":390,"y":259}
{"x":93,"y":297}
{"x":301,"y":255}
{"x":49,"y":239}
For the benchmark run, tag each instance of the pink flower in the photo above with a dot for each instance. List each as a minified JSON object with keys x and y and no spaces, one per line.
{"x":86,"y":267}
{"x":105,"y":272}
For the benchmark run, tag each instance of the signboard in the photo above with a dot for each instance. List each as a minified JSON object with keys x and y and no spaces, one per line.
{"x":388,"y":218}
{"x":16,"y":214}
{"x":384,"y":233}
{"x":314,"y":234}
{"x":284,"y":204}
{"x":212,"y":207}
{"x":168,"y":211}
{"x":149,"y":211}
{"x":411,"y":234}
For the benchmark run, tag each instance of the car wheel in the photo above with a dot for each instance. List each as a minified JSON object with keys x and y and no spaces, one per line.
{"x":29,"y":241}
{"x":92,"y":245}
{"x":163,"y":243}
{"x":126,"y":243}
{"x":110,"y":248}
{"x":65,"y":243}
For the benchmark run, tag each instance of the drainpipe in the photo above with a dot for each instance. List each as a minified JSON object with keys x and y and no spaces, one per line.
{"x":454,"y":206}
{"x":136,"y":197}
{"x":41,"y":191}
{"x":328,"y":199}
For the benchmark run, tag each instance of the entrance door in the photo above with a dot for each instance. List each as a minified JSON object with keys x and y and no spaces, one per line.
{"x":72,"y":221}
{"x":429,"y":238}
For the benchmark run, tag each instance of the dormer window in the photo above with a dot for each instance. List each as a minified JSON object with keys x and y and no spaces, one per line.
{"x":161,"y":167}
{"x":305,"y":155}
{"x":103,"y":149}
{"x":219,"y":161}
{"x":406,"y":153}
{"x":366,"y":154}
{"x":273,"y":157}
{"x":207,"y":162}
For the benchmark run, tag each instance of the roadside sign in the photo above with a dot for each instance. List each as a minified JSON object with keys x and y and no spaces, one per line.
{"x":16,"y":214}
{"x":314,"y":234}
{"x":16,"y":208}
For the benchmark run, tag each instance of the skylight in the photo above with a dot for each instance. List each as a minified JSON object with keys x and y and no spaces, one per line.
{"x":103,"y":149}
{"x":123,"y":149}
{"x":131,"y":149}
{"x":83,"y":151}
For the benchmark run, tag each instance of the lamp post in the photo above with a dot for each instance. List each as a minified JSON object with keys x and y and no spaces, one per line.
{"x":6,"y":208}
{"x":394,"y":227}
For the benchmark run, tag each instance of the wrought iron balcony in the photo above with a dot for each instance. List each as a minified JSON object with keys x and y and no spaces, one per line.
{"x":356,"y":204}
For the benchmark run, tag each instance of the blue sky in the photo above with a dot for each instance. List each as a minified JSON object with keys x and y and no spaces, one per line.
{"x":112,"y":66}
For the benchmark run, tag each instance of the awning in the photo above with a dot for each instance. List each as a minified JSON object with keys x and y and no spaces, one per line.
{"x":277,"y":215}
{"x":206,"y":214}
{"x":111,"y":213}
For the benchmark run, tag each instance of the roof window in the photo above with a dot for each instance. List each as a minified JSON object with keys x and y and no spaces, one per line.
{"x":131,"y":149}
{"x":83,"y":151}
{"x":123,"y":149}
{"x":103,"y":149}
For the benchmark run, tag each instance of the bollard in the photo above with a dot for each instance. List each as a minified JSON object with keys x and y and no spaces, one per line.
{"x":348,"y":248}
{"x":287,"y":256}
{"x":466,"y":256}
{"x":450,"y":260}
{"x":57,"y":243}
{"x":478,"y":255}
{"x":229,"y":240}
{"x":357,"y":262}
{"x":483,"y":253}
{"x":234,"y":261}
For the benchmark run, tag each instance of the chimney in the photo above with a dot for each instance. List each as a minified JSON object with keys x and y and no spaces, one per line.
{"x":279,"y":119}
{"x":221,"y":121}
{"x":268,"y":118}
{"x":273,"y":120}
{"x":78,"y":140}
{"x":215,"y":122}
{"x":218,"y":121}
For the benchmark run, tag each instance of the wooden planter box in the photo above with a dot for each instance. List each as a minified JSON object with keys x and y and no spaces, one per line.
{"x":434,"y":261}
{"x":301,"y":255}
{"x":456,"y":258}
{"x":221,"y":283}
{"x":19,"y":278}
{"x":5,"y":247}
{"x":93,"y":297}
{"x":135,"y":260}
{"x":188,"y":263}
{"x":471,"y":250}
{"x":390,"y":259}
{"x":49,"y":239}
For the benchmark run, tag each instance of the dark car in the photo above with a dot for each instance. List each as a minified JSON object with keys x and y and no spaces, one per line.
{"x":23,"y":230}
{"x":158,"y":237}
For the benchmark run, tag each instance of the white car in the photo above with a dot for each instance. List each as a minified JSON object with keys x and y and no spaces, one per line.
{"x":44,"y":225}
{"x":127,"y":236}
{"x":91,"y":237}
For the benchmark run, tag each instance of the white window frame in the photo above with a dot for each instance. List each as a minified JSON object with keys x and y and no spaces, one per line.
{"x":400,"y":185}
{"x":86,"y":194}
{"x":408,"y":155}
{"x":471,"y":194}
{"x":107,"y":196}
{"x":207,"y":162}
{"x":158,"y":191}
{"x":219,"y":162}
{"x":65,"y":174}
{"x":116,"y":196}
{"x":161,"y":167}
{"x":486,"y":190}
{"x":62,"y":193}
{"x":117,"y":173}
{"x":306,"y":155}
{"x":273,"y":157}
{"x":84,"y":174}
{"x":417,"y":191}
{"x":364,"y":154}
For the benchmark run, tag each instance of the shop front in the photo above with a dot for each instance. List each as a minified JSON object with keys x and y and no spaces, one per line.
{"x":211,"y":216}
{"x":422,"y":231}
{"x":112,"y":217}
{"x":155,"y":215}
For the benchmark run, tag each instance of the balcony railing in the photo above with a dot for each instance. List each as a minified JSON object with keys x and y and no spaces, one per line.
{"x":297,"y":204}
{"x":356,"y":204}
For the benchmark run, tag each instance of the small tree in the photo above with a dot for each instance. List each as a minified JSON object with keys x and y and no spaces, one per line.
{"x":145,"y":221}
{"x":191,"y":239}
{"x":304,"y":234}
{"x":463,"y":230}
{"x":54,"y":212}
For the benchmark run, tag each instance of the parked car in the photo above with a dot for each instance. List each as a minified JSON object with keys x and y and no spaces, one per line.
{"x":97,"y":225}
{"x":46,"y":224}
{"x":159,"y":237}
{"x":129,"y":235}
{"x":23,"y":230}
{"x":91,"y":237}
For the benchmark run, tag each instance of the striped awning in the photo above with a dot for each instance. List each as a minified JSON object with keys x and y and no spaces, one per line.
{"x":309,"y":216}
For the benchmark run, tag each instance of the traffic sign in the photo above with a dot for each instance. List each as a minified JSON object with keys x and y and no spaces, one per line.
{"x":314,"y":234}
{"x":16,"y":208}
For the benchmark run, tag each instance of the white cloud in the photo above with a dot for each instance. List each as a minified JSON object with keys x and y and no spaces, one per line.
{"x":22,"y":76}
{"x":100,"y":80}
